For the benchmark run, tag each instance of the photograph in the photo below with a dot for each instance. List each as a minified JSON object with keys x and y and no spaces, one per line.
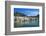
{"x":26,"y":17}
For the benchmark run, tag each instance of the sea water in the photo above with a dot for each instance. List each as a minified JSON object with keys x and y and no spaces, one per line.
{"x":32,"y":23}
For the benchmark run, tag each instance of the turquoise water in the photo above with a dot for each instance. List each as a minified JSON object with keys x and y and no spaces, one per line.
{"x":33,"y":23}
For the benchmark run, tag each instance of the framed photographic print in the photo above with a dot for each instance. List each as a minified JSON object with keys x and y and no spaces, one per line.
{"x":24,"y":17}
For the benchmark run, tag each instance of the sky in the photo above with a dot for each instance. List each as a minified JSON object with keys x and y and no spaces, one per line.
{"x":27,"y":11}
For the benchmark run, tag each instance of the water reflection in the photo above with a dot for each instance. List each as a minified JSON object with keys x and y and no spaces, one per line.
{"x":28,"y":22}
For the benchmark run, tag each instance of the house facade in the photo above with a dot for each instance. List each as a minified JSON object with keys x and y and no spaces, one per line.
{"x":21,"y":19}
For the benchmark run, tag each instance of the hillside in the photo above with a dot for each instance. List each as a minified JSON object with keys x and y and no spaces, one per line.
{"x":19,"y":14}
{"x":22,"y":14}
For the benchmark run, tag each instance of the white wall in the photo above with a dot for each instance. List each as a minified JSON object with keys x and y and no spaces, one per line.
{"x":2,"y":18}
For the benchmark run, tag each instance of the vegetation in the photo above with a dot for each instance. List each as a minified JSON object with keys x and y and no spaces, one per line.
{"x":19,"y":14}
